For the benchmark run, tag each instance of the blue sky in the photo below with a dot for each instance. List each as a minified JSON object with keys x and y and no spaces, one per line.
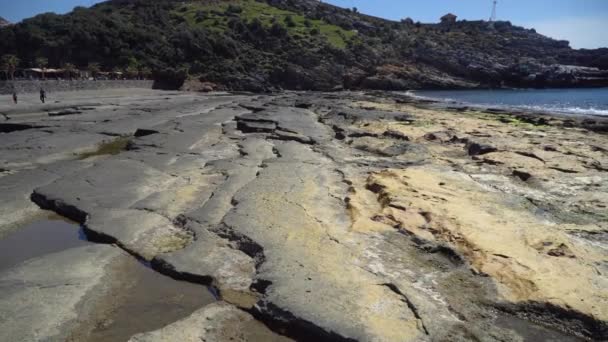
{"x":583,"y":22}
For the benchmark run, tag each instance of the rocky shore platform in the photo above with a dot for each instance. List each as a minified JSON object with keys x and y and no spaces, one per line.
{"x":303,"y":216}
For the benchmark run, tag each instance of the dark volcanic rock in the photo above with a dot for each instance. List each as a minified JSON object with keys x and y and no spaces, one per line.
{"x":65,"y":112}
{"x":524,"y":176}
{"x":9,"y":127}
{"x":557,"y":75}
{"x":256,"y":126}
{"x":396,"y":135}
{"x":255,"y":123}
{"x":287,"y":136}
{"x":476,"y":149}
{"x":444,"y":137}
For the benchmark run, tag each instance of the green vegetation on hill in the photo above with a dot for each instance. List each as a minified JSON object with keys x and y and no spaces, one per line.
{"x":296,"y":44}
{"x":222,"y":16}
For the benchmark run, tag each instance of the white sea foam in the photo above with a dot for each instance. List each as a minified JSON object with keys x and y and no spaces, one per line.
{"x":562,"y":108}
{"x":567,"y":110}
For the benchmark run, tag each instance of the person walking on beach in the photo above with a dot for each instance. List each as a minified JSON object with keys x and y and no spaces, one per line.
{"x":15,"y":96}
{"x":42,"y":95}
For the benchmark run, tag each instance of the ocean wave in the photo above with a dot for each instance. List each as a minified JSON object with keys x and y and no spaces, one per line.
{"x":544,"y":108}
{"x":412,"y":93}
{"x":566,"y":110}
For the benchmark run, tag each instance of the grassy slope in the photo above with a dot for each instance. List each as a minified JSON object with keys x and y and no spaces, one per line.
{"x":212,"y":16}
{"x":236,"y":43}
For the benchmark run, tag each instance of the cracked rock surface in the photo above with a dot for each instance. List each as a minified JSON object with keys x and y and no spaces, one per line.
{"x":313,"y":216}
{"x":41,"y":305}
{"x":214,"y":322}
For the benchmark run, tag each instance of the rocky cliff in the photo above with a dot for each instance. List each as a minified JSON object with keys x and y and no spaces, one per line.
{"x":301,"y":44}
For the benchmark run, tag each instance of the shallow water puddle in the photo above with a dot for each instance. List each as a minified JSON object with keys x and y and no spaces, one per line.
{"x":137,"y":299}
{"x":144,"y":300}
{"x":532,"y":332}
{"x":109,"y":148}
{"x":48,"y":235}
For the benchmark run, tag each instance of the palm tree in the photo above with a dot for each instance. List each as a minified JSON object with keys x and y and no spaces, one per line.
{"x":94,"y":69}
{"x":69,"y":70}
{"x":42,"y":63}
{"x":9,"y":65}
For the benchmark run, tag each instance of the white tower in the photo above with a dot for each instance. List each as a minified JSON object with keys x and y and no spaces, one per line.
{"x":493,"y":16}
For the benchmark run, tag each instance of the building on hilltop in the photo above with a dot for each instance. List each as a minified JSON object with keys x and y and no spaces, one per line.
{"x":449,"y":18}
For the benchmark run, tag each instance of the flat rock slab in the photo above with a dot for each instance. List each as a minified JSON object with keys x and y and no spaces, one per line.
{"x":214,"y":260}
{"x":29,"y":148}
{"x":290,"y":209}
{"x":42,"y":299}
{"x":343,"y":216}
{"x":256,"y":126}
{"x":114,"y":183}
{"x":297,"y":121}
{"x":145,"y":233}
{"x":16,"y":189}
{"x":219,"y":322}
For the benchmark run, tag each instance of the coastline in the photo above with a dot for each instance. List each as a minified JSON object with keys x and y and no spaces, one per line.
{"x":295,"y":170}
{"x":593,"y":122}
{"x":539,"y":109}
{"x":321,"y":213}
{"x":34,"y":86}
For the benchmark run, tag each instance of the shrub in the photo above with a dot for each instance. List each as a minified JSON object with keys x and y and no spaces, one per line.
{"x":256,"y":26}
{"x":237,"y":25}
{"x":289,"y":21}
{"x":170,"y":79}
{"x":234,"y":9}
{"x":200,"y":16}
{"x":278,"y":30}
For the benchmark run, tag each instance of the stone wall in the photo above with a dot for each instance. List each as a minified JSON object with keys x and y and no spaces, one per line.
{"x":6,"y":87}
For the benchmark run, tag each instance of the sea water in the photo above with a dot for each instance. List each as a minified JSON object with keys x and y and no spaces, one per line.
{"x":580,"y":101}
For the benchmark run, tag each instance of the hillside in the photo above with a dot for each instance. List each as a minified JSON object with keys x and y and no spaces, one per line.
{"x":299,"y":44}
